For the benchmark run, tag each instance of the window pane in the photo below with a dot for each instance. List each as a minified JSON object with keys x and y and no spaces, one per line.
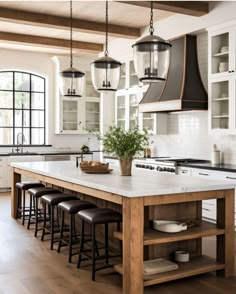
{"x":37,"y":136}
{"x":37,"y":84}
{"x":19,"y":118}
{"x":6,"y":118}
{"x":37,"y":101}
{"x":6,"y":99}
{"x":22,"y":100}
{"x":22,"y":81}
{"x":37,"y":119}
{"x":6,"y":136}
{"x":6,"y":80}
{"x":23,"y":136}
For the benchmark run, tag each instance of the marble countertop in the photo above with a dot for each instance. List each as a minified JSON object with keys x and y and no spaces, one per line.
{"x":136,"y":185}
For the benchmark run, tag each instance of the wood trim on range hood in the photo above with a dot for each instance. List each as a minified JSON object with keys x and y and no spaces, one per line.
{"x":183,"y":88}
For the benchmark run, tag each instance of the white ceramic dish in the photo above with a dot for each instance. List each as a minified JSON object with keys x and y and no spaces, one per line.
{"x":224,"y":49}
{"x":169,"y":226}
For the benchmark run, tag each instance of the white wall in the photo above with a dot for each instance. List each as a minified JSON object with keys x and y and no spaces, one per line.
{"x":42,"y":64}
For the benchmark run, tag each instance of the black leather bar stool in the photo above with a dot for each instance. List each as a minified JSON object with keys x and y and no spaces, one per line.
{"x":52,"y":201}
{"x":71,"y":207}
{"x":35,"y":194}
{"x":21,"y":198}
{"x":94,"y":217}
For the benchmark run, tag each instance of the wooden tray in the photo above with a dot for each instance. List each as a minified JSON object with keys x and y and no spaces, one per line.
{"x":91,"y":171}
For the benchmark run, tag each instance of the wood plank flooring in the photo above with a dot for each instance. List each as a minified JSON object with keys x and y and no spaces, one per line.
{"x":28,"y":266}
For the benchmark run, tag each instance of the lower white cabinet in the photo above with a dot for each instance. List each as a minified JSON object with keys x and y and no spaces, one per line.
{"x":19,"y":158}
{"x":3,"y":172}
{"x":209,"y":206}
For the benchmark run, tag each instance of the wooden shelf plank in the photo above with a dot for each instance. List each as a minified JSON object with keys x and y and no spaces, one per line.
{"x":205,"y":229}
{"x":196,"y":266}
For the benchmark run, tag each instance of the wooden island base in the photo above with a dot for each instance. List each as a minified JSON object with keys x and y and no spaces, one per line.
{"x":141,"y":244}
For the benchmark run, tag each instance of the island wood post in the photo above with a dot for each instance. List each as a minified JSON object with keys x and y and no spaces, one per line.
{"x":15,"y":179}
{"x":225,"y":243}
{"x":133,"y":231}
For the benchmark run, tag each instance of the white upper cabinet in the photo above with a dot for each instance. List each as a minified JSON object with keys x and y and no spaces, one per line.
{"x":222,"y":79}
{"x":80,"y":115}
{"x":129,"y":94}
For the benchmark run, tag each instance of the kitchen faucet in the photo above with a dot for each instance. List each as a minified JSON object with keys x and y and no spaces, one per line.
{"x":20,"y":139}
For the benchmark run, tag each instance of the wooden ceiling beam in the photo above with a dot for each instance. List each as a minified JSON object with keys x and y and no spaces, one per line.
{"x":50,"y":42}
{"x":193,"y":8}
{"x":63,"y":23}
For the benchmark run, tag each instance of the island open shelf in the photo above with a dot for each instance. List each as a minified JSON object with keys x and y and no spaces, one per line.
{"x":151,"y":236}
{"x":196,"y":266}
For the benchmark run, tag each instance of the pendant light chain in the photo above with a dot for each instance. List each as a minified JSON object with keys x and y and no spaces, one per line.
{"x":71,"y":55}
{"x":106,"y":43}
{"x":151,"y":29}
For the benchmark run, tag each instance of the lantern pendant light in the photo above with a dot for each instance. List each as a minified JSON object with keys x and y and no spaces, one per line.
{"x":72,"y":80}
{"x":151,"y":56}
{"x":105,"y":71}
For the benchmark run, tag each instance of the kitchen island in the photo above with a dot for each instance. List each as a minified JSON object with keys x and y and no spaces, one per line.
{"x":143,"y":198}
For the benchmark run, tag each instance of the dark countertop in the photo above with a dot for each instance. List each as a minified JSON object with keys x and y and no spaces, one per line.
{"x":47,"y":153}
{"x":210,"y":166}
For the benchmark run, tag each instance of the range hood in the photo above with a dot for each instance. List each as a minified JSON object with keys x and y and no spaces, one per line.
{"x":183,"y":88}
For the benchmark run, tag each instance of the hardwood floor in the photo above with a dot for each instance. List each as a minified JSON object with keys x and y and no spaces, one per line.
{"x":28,"y":266}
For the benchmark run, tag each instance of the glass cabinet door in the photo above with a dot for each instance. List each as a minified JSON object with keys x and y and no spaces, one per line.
{"x":133,"y":110}
{"x":70,"y":115}
{"x":220,"y":53}
{"x":220,"y":105}
{"x":92,"y":116}
{"x":122,"y":82}
{"x":120,"y":111}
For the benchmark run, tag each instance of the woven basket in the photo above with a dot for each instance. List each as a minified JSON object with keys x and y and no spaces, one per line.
{"x":96,"y":169}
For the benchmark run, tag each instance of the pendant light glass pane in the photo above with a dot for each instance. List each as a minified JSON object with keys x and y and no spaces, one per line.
{"x":71,"y":82}
{"x":151,"y":59}
{"x":105,"y":73}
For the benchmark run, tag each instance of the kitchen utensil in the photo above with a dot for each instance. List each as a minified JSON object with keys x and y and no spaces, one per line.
{"x":181,"y":256}
{"x":169,"y":226}
{"x":224,"y":49}
{"x":223,"y":66}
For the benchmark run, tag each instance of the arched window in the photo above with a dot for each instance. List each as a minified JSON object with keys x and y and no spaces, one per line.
{"x":22,"y":108}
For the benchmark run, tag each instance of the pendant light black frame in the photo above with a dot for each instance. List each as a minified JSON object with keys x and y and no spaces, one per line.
{"x":71,"y":72}
{"x":106,"y":64}
{"x":151,"y":45}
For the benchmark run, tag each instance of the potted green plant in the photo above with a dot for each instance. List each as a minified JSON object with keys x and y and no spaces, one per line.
{"x":125,"y":145}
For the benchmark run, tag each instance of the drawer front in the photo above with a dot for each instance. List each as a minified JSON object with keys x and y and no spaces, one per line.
{"x":184,"y":171}
{"x":209,"y":209}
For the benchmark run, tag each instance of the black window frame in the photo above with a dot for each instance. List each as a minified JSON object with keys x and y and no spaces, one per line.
{"x":30,"y":108}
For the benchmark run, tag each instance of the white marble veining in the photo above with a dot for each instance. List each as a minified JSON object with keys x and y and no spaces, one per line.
{"x":141,"y":183}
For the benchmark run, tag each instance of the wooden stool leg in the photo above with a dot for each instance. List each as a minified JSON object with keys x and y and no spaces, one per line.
{"x":36,"y":217}
{"x":81,"y":244}
{"x":44,"y":220}
{"x":106,"y":243}
{"x":23,"y":209}
{"x":52,"y":226}
{"x":70,"y":237}
{"x":61,"y":232}
{"x":30,"y":212}
{"x":93,"y":252}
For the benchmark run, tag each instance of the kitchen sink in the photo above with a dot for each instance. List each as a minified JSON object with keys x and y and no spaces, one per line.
{"x":22,"y":153}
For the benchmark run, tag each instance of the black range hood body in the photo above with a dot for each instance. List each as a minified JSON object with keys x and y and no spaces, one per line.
{"x":183,"y":88}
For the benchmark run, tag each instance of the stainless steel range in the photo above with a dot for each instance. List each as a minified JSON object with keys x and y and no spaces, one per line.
{"x":163,"y":164}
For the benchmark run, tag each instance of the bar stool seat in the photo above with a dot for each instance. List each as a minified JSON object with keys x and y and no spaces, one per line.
{"x":52,"y":201}
{"x":21,"y":206}
{"x":100,"y":216}
{"x":35,"y":194}
{"x":94,"y":217}
{"x":71,"y":207}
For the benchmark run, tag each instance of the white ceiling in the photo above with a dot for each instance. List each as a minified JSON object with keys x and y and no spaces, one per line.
{"x":119,"y":14}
